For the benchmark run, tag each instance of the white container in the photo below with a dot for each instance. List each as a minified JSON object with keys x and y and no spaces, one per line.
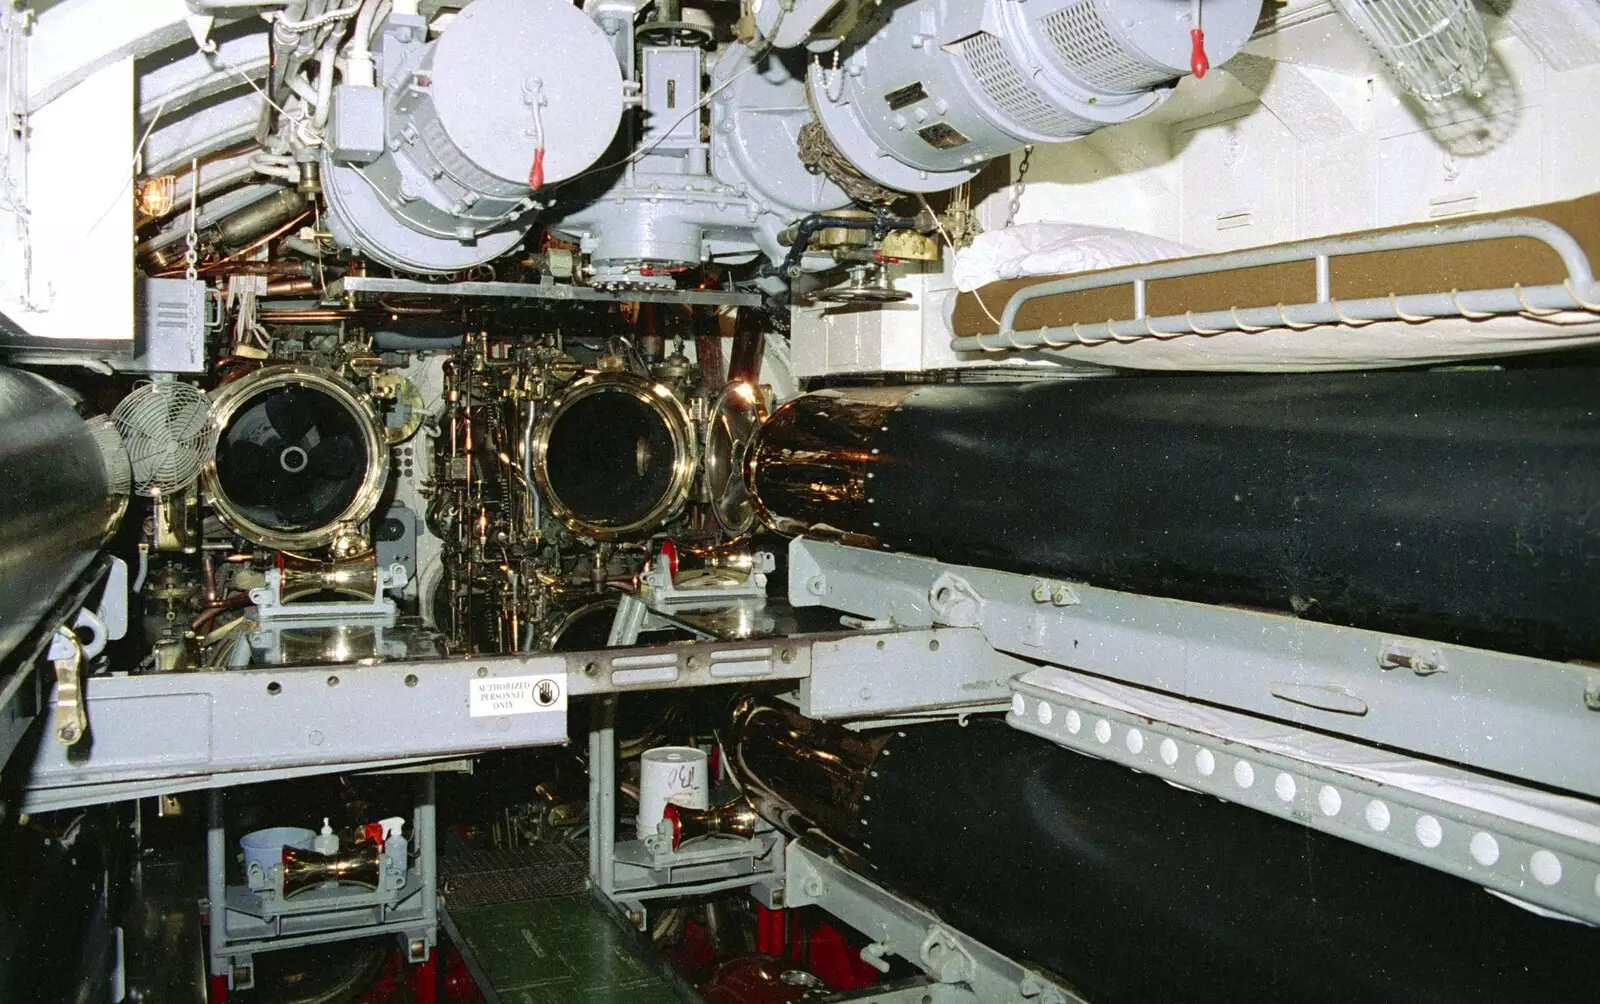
{"x":326,"y":842}
{"x":263,"y":853}
{"x":671,"y":773}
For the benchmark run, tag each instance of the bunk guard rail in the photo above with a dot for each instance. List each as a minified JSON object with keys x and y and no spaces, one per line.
{"x":1578,"y":291}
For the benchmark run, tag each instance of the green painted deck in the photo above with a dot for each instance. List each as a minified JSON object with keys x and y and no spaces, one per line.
{"x":559,"y":950}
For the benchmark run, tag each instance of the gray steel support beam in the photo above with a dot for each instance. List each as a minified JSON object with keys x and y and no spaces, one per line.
{"x":176,"y":141}
{"x":199,"y":75}
{"x":897,"y":927}
{"x":170,"y":732}
{"x":903,"y":672}
{"x":1526,"y":718}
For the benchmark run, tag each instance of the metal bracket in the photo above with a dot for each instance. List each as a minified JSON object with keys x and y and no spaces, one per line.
{"x":954,"y":602}
{"x":158,"y":733}
{"x":901,"y":672}
{"x":633,"y":871}
{"x":944,"y":957}
{"x":644,"y":869}
{"x":66,"y":655}
{"x":270,"y":605}
{"x":69,"y":650}
{"x":243,"y":921}
{"x":898,"y":927}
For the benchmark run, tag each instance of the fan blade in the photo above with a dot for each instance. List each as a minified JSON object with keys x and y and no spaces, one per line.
{"x":334,"y":458}
{"x":291,"y":415}
{"x":294,"y":506}
{"x":251,"y":464}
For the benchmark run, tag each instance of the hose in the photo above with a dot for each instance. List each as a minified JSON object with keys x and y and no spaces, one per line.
{"x":358,"y":56}
{"x":275,"y":166}
{"x":330,"y":17}
{"x":325,"y":59}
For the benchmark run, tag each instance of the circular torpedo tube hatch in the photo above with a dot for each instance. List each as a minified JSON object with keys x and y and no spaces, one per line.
{"x":615,"y":455}
{"x":735,"y":417}
{"x":298,"y":456}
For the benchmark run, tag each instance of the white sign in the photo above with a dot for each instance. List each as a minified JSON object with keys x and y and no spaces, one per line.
{"x":517,"y":695}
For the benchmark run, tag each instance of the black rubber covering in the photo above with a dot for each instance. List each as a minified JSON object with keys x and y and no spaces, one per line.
{"x":1460,"y":506}
{"x":1134,"y":891}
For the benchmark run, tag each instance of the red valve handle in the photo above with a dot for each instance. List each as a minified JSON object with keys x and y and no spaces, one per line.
{"x":536,"y":172}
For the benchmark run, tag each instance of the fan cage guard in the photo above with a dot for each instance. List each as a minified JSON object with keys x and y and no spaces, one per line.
{"x":165,"y":430}
{"x":1434,"y":49}
{"x":235,"y":396}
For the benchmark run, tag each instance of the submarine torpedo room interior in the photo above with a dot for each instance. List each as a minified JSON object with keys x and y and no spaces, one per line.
{"x":770,"y":501}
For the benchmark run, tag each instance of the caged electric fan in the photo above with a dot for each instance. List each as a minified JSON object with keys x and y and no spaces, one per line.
{"x":164,"y":425}
{"x":1435,"y":49}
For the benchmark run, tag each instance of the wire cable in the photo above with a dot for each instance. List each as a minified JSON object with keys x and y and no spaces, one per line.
{"x":977,"y":294}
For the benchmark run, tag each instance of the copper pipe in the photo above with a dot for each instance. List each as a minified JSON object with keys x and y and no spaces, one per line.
{"x":306,"y":316}
{"x":209,"y":571}
{"x":210,"y":613}
{"x":708,"y":348}
{"x":744,"y":357}
{"x":287,"y":287}
{"x":180,"y":204}
{"x":652,"y":346}
{"x":258,"y":242}
{"x":215,"y":267}
{"x":279,"y":267}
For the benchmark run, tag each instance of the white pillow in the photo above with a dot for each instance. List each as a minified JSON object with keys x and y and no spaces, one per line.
{"x":1053,"y":248}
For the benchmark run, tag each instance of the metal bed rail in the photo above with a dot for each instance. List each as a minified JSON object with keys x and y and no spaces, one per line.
{"x":1578,"y":291}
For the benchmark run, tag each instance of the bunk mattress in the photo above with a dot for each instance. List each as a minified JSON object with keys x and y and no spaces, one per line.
{"x":1482,"y":264}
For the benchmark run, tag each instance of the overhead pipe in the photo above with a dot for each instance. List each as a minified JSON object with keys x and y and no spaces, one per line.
{"x":749,"y":338}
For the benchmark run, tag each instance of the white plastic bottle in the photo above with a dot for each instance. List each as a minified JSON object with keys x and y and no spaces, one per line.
{"x":326,"y":842}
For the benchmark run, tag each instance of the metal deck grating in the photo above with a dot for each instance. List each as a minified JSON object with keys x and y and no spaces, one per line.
{"x":473,"y":877}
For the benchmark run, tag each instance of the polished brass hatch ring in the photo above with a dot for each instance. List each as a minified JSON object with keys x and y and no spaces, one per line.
{"x":615,"y":455}
{"x":297,"y":456}
{"x":737,"y":415}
